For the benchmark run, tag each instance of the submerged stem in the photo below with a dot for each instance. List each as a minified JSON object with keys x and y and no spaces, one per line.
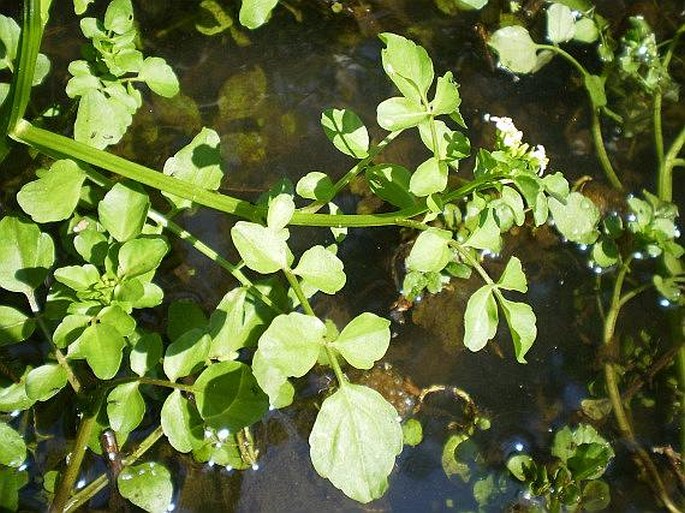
{"x":611,"y":381}
{"x":66,"y":484}
{"x":84,"y":495}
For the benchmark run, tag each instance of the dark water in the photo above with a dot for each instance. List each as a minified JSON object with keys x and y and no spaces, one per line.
{"x":289,"y":73}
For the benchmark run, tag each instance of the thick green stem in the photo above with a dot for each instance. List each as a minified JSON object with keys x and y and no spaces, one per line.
{"x":85,"y":494}
{"x":665,"y":185}
{"x":66,"y":484}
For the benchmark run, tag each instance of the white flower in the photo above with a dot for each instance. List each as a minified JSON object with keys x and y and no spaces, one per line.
{"x":540,"y":155}
{"x":511,"y":136}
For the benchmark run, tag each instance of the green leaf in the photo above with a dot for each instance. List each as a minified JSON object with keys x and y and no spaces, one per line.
{"x":431,"y":251}
{"x":315,"y":186}
{"x":15,"y":326}
{"x":101,"y":120}
{"x":480,"y":318}
{"x":355,"y":440}
{"x":430,"y":177}
{"x":53,"y":197}
{"x":399,"y":113}
{"x":346,"y":131}
{"x":577,"y":219}
{"x":585,"y":31}
{"x":447,"y":98}
{"x":520,"y":466}
{"x":513,"y":200}
{"x":13,"y":397}
{"x":181,"y":423}
{"x":364,"y":340}
{"x":9,"y":37}
{"x":159,"y":77}
{"x":125,"y":408}
{"x":11,"y":481}
{"x":595,"y":87}
{"x":451,"y":465}
{"x":513,"y":277}
{"x":146,"y":353}
{"x":228,"y":397}
{"x":321,"y":269}
{"x":80,"y":6}
{"x":255,"y":13}
{"x":281,"y":210}
{"x":521,"y":321}
{"x":412,"y":432}
{"x":487,"y":233}
{"x":556,"y":185}
{"x":583,"y":450}
{"x":45,"y":381}
{"x":390,"y":182}
{"x":119,"y":16}
{"x":70,"y":329}
{"x":123,"y":211}
{"x":288,"y":348}
{"x":147,"y":485}
{"x":261,"y":249}
{"x":407,"y":65}
{"x":102,"y":347}
{"x":605,"y":252}
{"x":92,"y":246}
{"x":26,"y":254}
{"x":198,"y":163}
{"x":560,"y":23}
{"x":517,"y":51}
{"x":185,"y":353}
{"x":237,"y":322}
{"x":12,"y":446}
{"x":78,"y":277}
{"x":140,"y":256}
{"x":596,"y":496}
{"x":452,"y":146}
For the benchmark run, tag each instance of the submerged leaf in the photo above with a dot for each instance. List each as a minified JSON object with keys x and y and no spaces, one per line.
{"x":355,"y":440}
{"x":255,"y":13}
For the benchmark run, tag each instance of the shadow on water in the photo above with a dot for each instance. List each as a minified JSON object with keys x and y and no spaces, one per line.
{"x":265,"y":101}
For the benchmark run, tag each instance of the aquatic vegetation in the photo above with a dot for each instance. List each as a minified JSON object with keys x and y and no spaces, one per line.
{"x":81,"y":287}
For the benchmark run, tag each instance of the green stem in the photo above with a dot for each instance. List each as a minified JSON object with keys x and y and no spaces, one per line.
{"x":658,"y":132}
{"x":66,"y":484}
{"x":57,"y":145}
{"x":609,"y":172}
{"x":596,"y":127}
{"x":61,"y":359}
{"x":665,"y":185}
{"x":213,"y":255}
{"x":297,"y":288}
{"x":315,"y":206}
{"x":164,"y":383}
{"x":85,"y":494}
{"x":611,"y":383}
